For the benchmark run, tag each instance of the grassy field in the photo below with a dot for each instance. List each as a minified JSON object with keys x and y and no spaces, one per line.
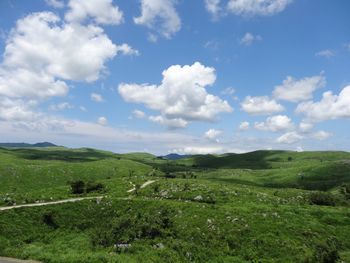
{"x":264,"y":206}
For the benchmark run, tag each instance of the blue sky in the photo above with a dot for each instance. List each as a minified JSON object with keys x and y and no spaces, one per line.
{"x":204,"y":76}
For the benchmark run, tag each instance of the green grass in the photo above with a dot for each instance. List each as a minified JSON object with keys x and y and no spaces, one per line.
{"x":265,"y":206}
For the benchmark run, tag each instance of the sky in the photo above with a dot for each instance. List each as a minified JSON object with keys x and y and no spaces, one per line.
{"x":176,"y":76}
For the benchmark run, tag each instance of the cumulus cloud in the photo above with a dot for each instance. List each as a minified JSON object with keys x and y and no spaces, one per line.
{"x":325,"y":53}
{"x":41,"y":52}
{"x":173,"y":123}
{"x":102,"y":121}
{"x":290,"y":137}
{"x":298,"y":90}
{"x":213,"y":7}
{"x":181,"y":97}
{"x":305,"y":126}
{"x":16,"y":109}
{"x":212,"y":134}
{"x":61,"y":106}
{"x":139,"y":114}
{"x":101,"y":11}
{"x":321,"y":135}
{"x":96,"y":97}
{"x":160,"y":16}
{"x":329,"y":108}
{"x":275,"y":124}
{"x":55,"y":3}
{"x":125,"y":49}
{"x":228,"y":91}
{"x":244,"y":126}
{"x":261,"y":105}
{"x":257,"y":7}
{"x":249,"y":39}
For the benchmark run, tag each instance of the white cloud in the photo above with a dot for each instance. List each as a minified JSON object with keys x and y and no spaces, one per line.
{"x":212,"y":134}
{"x":321,"y":135}
{"x":181,"y":96}
{"x":325,"y":53}
{"x":198,"y":150}
{"x":125,"y":49}
{"x":305,"y":126}
{"x":16,"y":109}
{"x":159,"y":15}
{"x":41,"y":52}
{"x":61,"y":106}
{"x":298,"y":90}
{"x":257,"y":7}
{"x":244,"y":126}
{"x":275,"y":124}
{"x":139,"y":114}
{"x":152,"y":38}
{"x":290,"y":137}
{"x":212,"y":44}
{"x":96,"y":97}
{"x":101,"y":11}
{"x":213,"y":7}
{"x":55,"y":3}
{"x":173,"y":123}
{"x":228,"y":91}
{"x":249,"y":39}
{"x":102,"y":121}
{"x":82,"y":108}
{"x":329,"y":108}
{"x":261,"y":105}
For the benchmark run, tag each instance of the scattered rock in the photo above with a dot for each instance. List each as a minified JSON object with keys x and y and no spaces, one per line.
{"x":198,"y":198}
{"x":159,"y":246}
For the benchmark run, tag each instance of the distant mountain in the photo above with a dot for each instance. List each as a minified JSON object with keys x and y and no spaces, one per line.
{"x":175,"y":156}
{"x":27,"y":145}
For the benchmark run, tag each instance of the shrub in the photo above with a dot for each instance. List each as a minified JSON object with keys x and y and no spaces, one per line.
{"x":156,"y":188}
{"x":48,"y":219}
{"x":77,"y":187}
{"x":326,"y":252}
{"x":170,"y":175}
{"x":345,"y":190}
{"x":94,"y":187}
{"x":290,"y":159}
{"x":321,"y":198}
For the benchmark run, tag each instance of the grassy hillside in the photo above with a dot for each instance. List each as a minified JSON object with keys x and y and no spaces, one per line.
{"x":265,"y":206}
{"x":29,"y":175}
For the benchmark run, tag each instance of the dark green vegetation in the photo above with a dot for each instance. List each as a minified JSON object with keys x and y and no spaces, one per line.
{"x":264,"y":206}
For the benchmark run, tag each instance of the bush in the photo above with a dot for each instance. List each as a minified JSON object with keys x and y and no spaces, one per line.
{"x":321,"y":198}
{"x":345,"y":190}
{"x":94,"y":187}
{"x":170,"y":175}
{"x":78,"y":187}
{"x":326,"y":252}
{"x":48,"y":219}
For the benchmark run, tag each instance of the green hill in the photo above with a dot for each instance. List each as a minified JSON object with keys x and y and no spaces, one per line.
{"x":264,"y":206}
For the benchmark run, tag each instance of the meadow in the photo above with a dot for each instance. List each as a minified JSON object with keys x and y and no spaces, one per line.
{"x":264,"y":206}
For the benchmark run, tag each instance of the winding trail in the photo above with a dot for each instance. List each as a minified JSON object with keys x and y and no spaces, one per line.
{"x":70,"y":200}
{"x":13,"y":260}
{"x":142,"y":186}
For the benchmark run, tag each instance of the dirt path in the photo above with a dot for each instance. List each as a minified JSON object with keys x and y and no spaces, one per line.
{"x":13,"y":260}
{"x":142,"y":186}
{"x":70,"y":200}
